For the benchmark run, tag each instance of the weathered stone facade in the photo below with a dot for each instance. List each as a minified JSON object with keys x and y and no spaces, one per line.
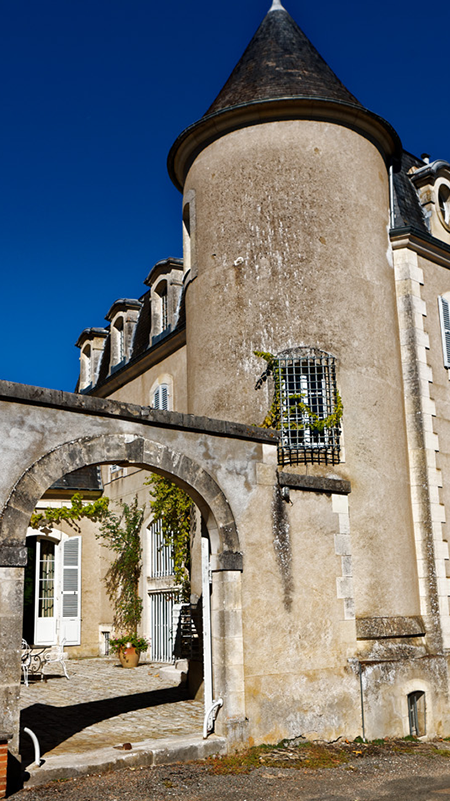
{"x":305,"y":227}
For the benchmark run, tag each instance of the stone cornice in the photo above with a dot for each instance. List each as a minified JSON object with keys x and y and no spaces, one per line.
{"x":100,"y":407}
{"x":424,"y":245}
{"x":196,"y":137}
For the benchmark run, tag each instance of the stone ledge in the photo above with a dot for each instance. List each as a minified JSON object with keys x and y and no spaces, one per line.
{"x":382,"y":628}
{"x":101,"y":407}
{"x":334,"y":486}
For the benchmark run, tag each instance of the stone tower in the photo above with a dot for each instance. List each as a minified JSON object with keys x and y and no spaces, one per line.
{"x":285,"y":186}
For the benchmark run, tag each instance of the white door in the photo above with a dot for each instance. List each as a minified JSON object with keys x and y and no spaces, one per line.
{"x":71,"y":592}
{"x":46,"y":614}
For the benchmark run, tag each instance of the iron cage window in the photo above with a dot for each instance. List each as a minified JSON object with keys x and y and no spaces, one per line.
{"x":309,"y":406}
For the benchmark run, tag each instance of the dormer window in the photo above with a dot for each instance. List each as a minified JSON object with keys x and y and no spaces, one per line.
{"x":91,"y":343}
{"x":432,"y":182}
{"x":166,"y":282}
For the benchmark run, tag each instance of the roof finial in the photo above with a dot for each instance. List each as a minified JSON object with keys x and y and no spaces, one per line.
{"x":276,"y":6}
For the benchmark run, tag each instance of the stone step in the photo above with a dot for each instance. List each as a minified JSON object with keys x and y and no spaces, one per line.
{"x":145,"y":753}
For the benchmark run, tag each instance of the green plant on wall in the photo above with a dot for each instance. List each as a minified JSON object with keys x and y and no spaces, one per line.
{"x":121,"y":533}
{"x":50,"y":517}
{"x":274,"y":417}
{"x":172,"y":507}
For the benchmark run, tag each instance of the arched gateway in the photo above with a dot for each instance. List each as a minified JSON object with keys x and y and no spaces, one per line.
{"x":46,"y":434}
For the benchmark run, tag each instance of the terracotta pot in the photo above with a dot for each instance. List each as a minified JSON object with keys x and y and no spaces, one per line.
{"x":129,"y":657}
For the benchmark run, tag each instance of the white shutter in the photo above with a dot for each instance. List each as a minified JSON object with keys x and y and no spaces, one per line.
{"x":444,"y":312}
{"x":164,"y":397}
{"x":161,"y":398}
{"x":70,"y":595}
{"x":156,"y":399}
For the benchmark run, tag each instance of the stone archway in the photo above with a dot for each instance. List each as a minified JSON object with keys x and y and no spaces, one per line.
{"x":141,"y":451}
{"x":132,"y":449}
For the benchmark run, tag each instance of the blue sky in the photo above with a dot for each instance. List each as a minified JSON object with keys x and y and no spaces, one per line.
{"x":94,"y":92}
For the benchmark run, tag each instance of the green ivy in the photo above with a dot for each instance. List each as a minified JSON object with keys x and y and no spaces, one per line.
{"x":273,"y":418}
{"x":50,"y":517}
{"x":121,"y":533}
{"x":172,"y":506}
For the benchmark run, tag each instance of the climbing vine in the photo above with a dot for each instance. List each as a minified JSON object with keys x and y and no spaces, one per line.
{"x":121,"y":533}
{"x":50,"y":517}
{"x":274,"y":416}
{"x":172,"y":506}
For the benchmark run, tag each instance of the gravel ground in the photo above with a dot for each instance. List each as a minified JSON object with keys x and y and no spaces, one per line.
{"x":392,"y":771}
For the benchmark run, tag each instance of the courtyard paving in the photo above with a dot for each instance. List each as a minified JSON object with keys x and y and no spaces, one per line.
{"x":103,"y":704}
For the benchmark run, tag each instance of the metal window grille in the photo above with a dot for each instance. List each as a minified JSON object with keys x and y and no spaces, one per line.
{"x":161,"y":625}
{"x":306,"y":382}
{"x":161,"y":554}
{"x":106,"y":638}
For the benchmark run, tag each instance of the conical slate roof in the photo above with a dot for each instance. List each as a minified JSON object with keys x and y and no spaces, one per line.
{"x":280,"y":61}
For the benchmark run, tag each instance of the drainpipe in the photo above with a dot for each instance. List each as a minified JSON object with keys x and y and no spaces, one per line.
{"x":391,"y":196}
{"x":362,"y":702}
{"x":211,"y":706}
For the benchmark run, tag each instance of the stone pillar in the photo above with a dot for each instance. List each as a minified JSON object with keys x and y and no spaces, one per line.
{"x":228,"y":655}
{"x":11,"y":612}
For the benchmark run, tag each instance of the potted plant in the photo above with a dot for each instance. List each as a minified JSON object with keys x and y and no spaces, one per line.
{"x":121,"y":533}
{"x":128,"y":648}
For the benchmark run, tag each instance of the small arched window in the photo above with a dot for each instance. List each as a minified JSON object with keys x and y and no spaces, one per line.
{"x":417,"y":713}
{"x":160,"y":399}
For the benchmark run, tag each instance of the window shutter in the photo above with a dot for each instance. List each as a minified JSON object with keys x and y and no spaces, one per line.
{"x":164,"y":397}
{"x":444,"y":311}
{"x":161,"y":398}
{"x":71,"y":591}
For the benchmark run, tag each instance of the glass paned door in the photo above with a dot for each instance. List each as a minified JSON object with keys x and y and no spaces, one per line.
{"x":45,"y":628}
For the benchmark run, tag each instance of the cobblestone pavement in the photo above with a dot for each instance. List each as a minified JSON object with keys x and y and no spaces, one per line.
{"x":103,"y":704}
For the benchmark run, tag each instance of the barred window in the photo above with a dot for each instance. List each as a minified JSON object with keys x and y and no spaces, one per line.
{"x":309,"y":406}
